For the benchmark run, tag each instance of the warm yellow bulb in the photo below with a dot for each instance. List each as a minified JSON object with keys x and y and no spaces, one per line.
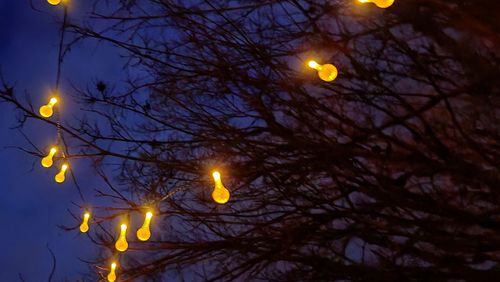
{"x":54,"y":2}
{"x":48,"y":160}
{"x":220,"y":194}
{"x":112,"y":272}
{"x":121,"y":244}
{"x":313,"y":64}
{"x":216,"y":176}
{"x":60,"y":177}
{"x":380,"y":3}
{"x":84,"y":227}
{"x":144,"y":233}
{"x":327,"y":72}
{"x":46,"y":111}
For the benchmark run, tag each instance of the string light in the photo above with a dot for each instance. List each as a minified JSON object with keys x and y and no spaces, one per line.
{"x":112,"y":272}
{"x":379,"y":3}
{"x":60,"y":177}
{"x":327,"y":72}
{"x":121,"y":244}
{"x":46,"y":111}
{"x":144,"y":233}
{"x":84,"y":227}
{"x":48,"y":160}
{"x":220,"y":194}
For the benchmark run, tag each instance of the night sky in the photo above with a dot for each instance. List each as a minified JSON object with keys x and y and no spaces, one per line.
{"x":31,"y":203}
{"x":33,"y":207}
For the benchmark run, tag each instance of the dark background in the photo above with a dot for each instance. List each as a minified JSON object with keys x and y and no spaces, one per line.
{"x":31,"y":203}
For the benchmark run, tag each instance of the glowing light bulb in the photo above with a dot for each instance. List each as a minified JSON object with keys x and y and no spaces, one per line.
{"x":380,"y":3}
{"x":60,"y":177}
{"x":121,"y":244}
{"x":220,"y":194}
{"x":46,"y":111}
{"x":144,"y":233}
{"x":84,"y":227}
{"x":54,"y":2}
{"x":327,"y":72}
{"x":47,"y":161}
{"x":112,"y":272}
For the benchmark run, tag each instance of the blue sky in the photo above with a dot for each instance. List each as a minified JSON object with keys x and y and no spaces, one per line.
{"x":31,"y":203}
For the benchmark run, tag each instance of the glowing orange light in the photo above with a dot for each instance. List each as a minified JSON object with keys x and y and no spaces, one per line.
{"x":220,"y":194}
{"x":112,"y":272}
{"x":121,"y":244}
{"x":327,"y":72}
{"x":46,"y":111}
{"x":144,"y":233}
{"x":60,"y":177}
{"x":54,"y":2}
{"x":48,"y":160}
{"x":84,"y":227}
{"x":379,"y":3}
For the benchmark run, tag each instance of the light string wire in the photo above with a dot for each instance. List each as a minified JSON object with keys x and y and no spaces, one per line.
{"x":60,"y":59}
{"x":60,"y":142}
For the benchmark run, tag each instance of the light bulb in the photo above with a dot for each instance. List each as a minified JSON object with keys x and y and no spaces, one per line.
{"x":84,"y":227}
{"x":144,"y":233}
{"x":54,"y":2}
{"x":121,"y":244}
{"x":46,"y":110}
{"x":380,"y":3}
{"x":112,"y":272}
{"x":220,"y":194}
{"x":60,"y":177}
{"x":47,"y":161}
{"x":327,"y":72}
